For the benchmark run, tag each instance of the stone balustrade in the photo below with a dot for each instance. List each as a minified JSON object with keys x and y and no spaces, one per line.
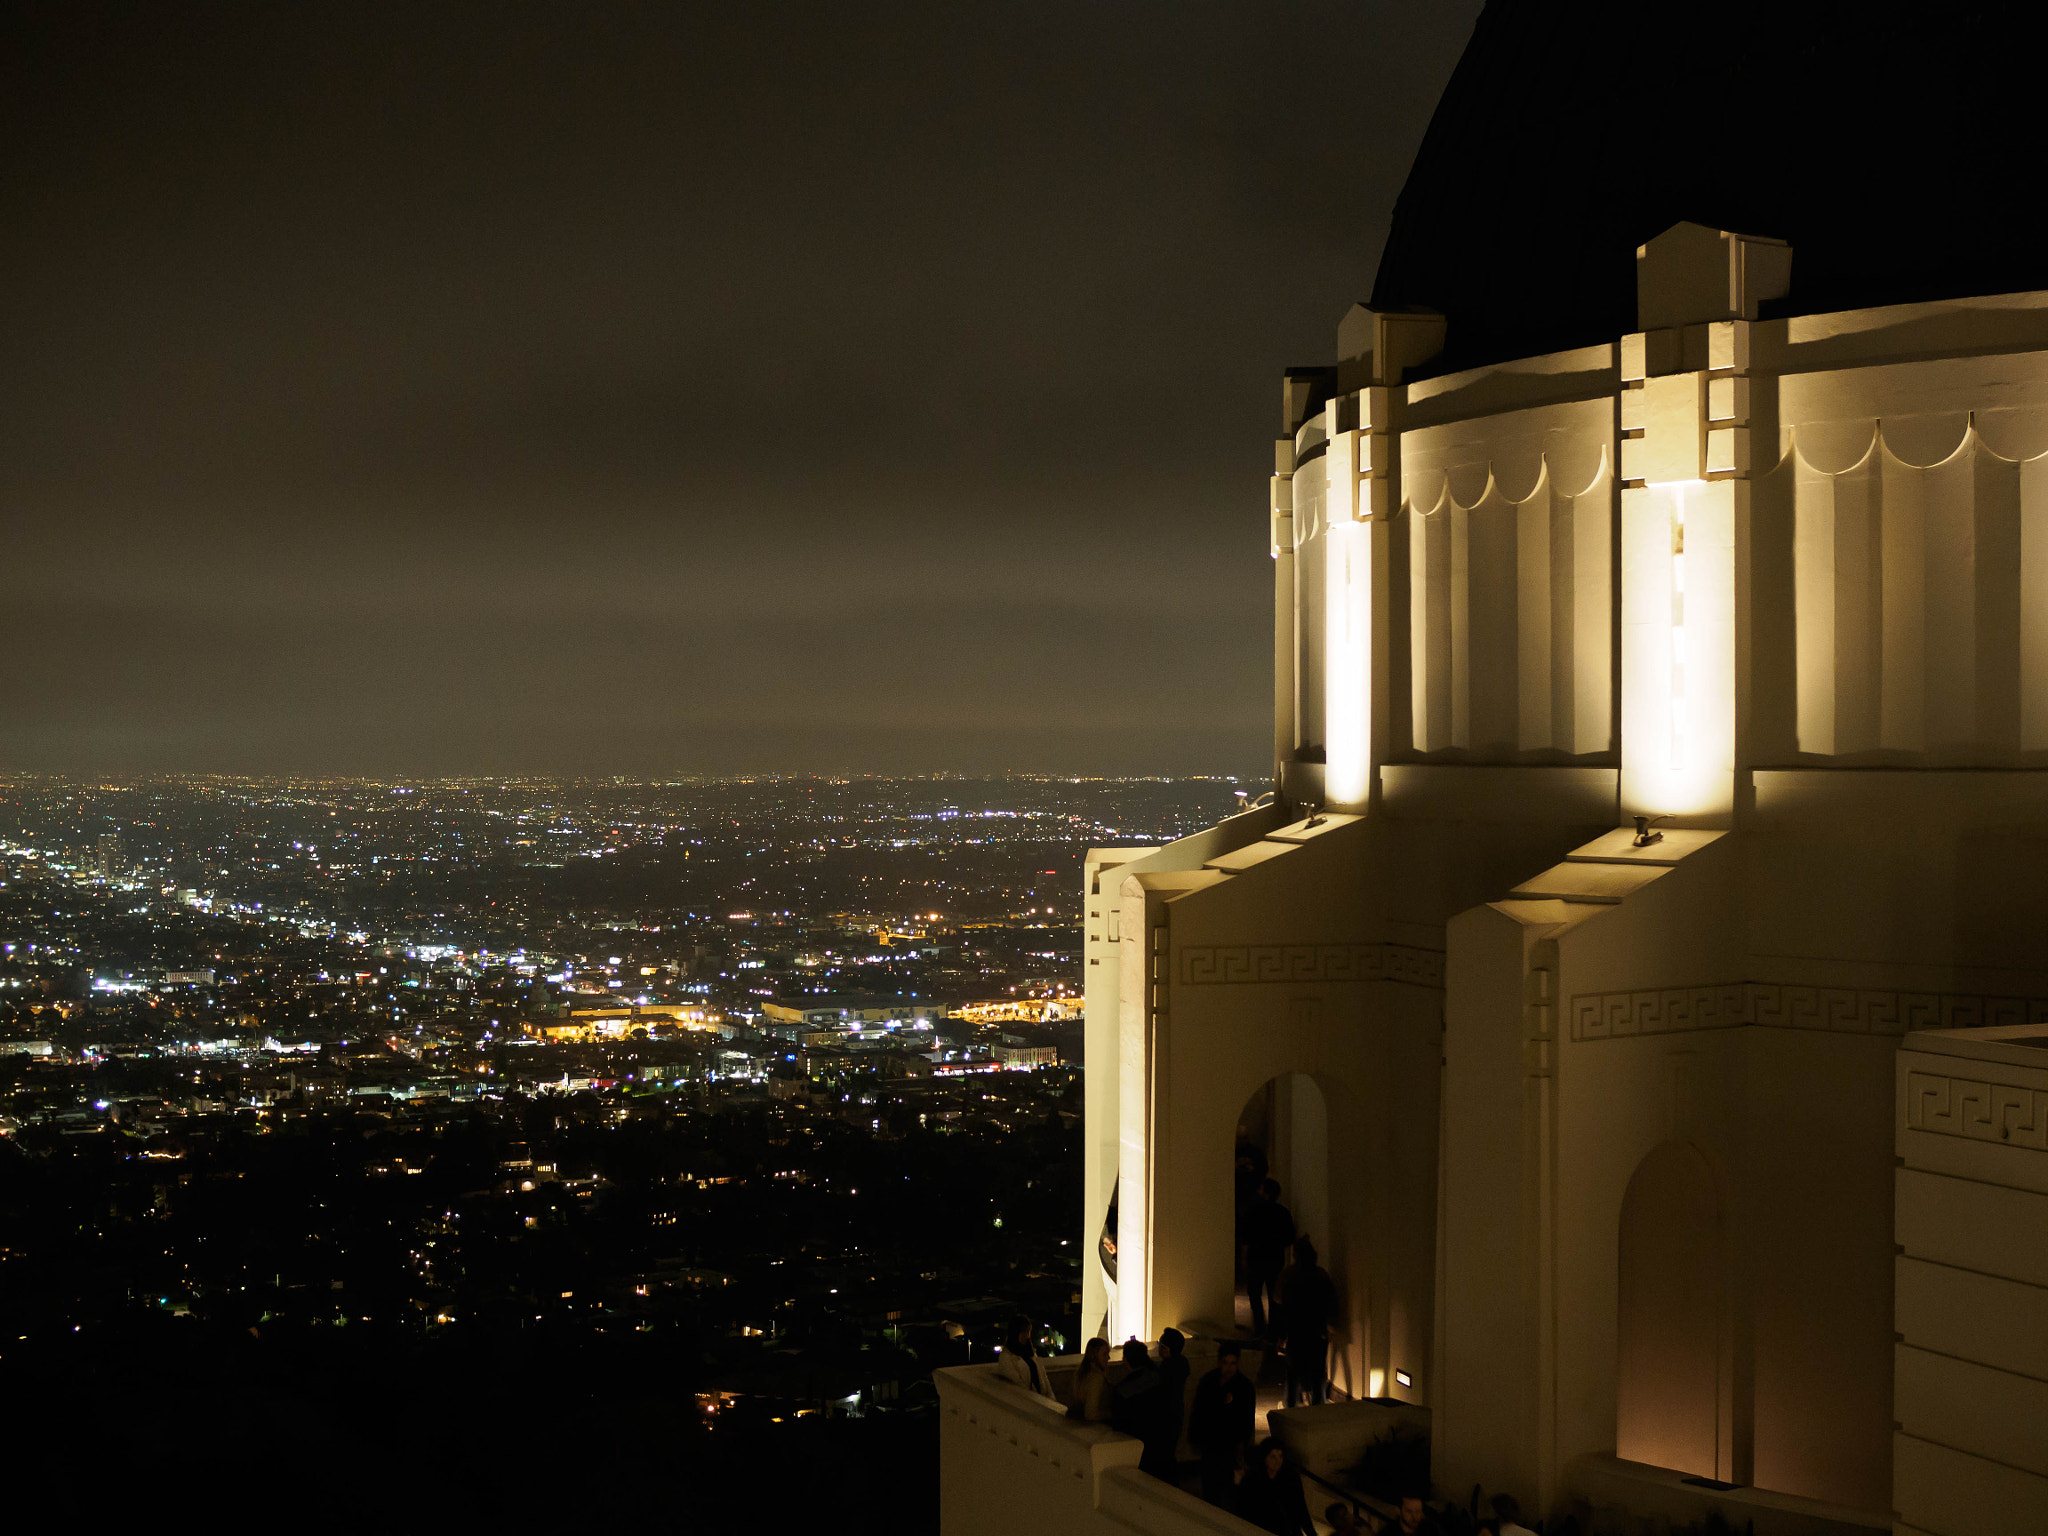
{"x":1607,"y":1492}
{"x":1013,"y":1464}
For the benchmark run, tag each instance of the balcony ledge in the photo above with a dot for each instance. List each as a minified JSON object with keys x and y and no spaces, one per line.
{"x":1607,"y":1483}
{"x":1013,"y":1464}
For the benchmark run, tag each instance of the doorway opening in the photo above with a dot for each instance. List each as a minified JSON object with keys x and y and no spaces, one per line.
{"x":1283,"y":1140}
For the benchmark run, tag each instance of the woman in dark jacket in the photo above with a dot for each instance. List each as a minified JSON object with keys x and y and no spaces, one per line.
{"x":1270,"y":1496}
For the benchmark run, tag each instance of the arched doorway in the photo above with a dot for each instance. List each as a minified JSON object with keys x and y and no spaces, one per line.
{"x":1672,"y":1372}
{"x":1283,"y":1134}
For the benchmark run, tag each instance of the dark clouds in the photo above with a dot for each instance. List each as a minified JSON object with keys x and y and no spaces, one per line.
{"x":639,"y":388}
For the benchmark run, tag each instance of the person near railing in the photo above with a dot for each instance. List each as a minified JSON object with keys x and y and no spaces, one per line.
{"x":1173,"y":1400}
{"x":1019,"y":1362}
{"x":1091,"y":1385}
{"x":1308,"y":1306}
{"x":1221,"y":1425}
{"x":1139,"y":1407}
{"x":1271,"y":1495}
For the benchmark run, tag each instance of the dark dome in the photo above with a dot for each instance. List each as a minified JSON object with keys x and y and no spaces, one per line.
{"x":1894,"y":146}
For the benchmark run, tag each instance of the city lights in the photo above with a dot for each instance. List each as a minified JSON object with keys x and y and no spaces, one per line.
{"x":854,"y":973}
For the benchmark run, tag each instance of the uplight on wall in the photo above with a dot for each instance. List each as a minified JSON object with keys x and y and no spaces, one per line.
{"x":1347,"y":667}
{"x":1680,"y":734}
{"x":1678,"y":650}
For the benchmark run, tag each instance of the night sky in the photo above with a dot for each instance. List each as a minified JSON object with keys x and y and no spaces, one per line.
{"x":618,"y":389}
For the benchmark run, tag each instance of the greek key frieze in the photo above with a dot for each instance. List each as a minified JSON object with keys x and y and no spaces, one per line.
{"x":1666,"y":1011}
{"x":1228,"y":964}
{"x":1776,"y":1005}
{"x":1995,"y":1112}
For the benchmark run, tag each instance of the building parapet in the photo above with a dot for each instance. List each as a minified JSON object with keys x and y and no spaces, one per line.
{"x":1014,"y":1464}
{"x":1137,"y":1501}
{"x":1608,"y":1489}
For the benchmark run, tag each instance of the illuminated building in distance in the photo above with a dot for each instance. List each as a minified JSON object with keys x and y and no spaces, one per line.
{"x":1638,"y":980}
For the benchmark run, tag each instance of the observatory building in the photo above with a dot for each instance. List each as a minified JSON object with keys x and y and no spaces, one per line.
{"x":1638,"y":979}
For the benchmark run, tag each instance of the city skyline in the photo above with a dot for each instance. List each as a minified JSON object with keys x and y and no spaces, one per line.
{"x":989,"y":772}
{"x":649,"y":1087}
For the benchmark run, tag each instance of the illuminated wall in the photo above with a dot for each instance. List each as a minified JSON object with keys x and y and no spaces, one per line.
{"x":1448,"y":590}
{"x":1689,"y":573}
{"x":1507,"y":533}
{"x":1893,"y":553}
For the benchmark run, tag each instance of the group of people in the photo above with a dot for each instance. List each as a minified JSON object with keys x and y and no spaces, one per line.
{"x":1293,"y":1303}
{"x":1275,"y":1503}
{"x":1263,"y":1485}
{"x":1259,"y":1482}
{"x":1145,"y":1404}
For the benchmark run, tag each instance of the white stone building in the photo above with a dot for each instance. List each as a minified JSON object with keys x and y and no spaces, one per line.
{"x":1720,"y":1154}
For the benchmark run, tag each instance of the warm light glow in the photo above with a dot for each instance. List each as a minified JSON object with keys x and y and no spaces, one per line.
{"x":1347,"y":665}
{"x":1679,"y":713}
{"x":1678,"y":697}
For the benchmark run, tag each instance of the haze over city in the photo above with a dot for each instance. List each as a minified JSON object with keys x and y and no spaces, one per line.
{"x":1071,"y":770}
{"x":485,"y":493}
{"x":661,"y":390}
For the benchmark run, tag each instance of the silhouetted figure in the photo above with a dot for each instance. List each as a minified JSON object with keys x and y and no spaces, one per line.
{"x":1270,"y":1233}
{"x":1270,"y":1496}
{"x":1019,"y":1362}
{"x":1308,"y":1307}
{"x":1342,"y":1520}
{"x":1139,"y":1408}
{"x":1221,"y":1424}
{"x":1250,"y":1173}
{"x":1508,"y":1512}
{"x":1091,"y":1385}
{"x":1254,"y":1154}
{"x":1173,"y":1394}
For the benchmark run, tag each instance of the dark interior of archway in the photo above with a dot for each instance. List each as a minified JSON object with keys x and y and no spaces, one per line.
{"x":1282,"y":1135}
{"x":1253,"y":1162}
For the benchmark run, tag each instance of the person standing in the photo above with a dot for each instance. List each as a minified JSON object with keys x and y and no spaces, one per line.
{"x":1138,"y":1409}
{"x":1251,"y":1170}
{"x":1272,"y":1497}
{"x":1019,"y":1362}
{"x":1173,"y":1396}
{"x":1308,"y":1306}
{"x":1270,"y":1232}
{"x":1221,"y":1424}
{"x":1091,"y":1385}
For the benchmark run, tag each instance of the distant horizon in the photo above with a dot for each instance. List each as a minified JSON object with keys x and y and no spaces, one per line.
{"x":649,"y":390}
{"x":670,"y":780}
